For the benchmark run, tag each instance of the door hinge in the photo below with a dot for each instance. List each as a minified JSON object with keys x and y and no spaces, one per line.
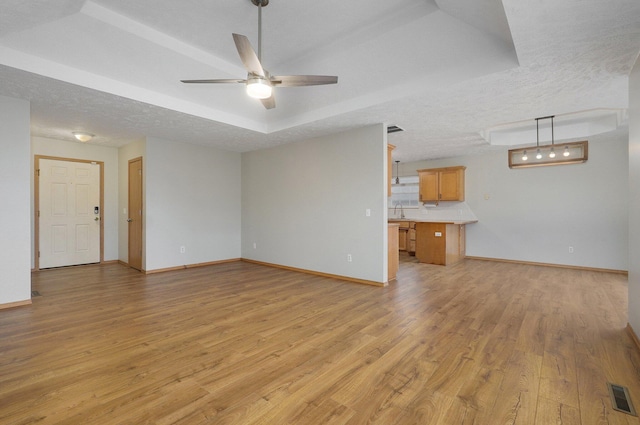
{"x":38,"y":213}
{"x":38,"y":170}
{"x":139,"y":172}
{"x":38,"y":254}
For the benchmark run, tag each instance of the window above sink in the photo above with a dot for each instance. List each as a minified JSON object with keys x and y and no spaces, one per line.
{"x":405,"y":193}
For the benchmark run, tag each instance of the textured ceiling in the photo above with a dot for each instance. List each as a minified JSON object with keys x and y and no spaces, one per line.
{"x":446,"y":71}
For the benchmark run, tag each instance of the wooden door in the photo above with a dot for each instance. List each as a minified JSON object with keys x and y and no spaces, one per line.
{"x":135,"y":213}
{"x":69,"y":212}
{"x":428,"y":182}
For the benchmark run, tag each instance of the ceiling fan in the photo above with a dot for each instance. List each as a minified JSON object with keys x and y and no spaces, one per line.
{"x":259,"y":81}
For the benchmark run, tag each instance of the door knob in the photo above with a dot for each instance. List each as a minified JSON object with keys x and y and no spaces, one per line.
{"x":129,"y":220}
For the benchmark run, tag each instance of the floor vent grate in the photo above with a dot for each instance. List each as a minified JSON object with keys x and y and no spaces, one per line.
{"x":35,"y":294}
{"x":620,"y":399}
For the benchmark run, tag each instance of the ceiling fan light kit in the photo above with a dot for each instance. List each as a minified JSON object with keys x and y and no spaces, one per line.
{"x":259,"y":88}
{"x":259,"y":83}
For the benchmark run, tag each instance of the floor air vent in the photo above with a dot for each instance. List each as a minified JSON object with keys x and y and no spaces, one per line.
{"x":35,"y":294}
{"x":620,"y":399}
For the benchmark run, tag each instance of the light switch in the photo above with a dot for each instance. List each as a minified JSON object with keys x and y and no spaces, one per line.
{"x":367,"y":212}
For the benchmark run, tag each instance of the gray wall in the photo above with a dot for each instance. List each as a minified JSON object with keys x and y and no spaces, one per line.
{"x":304,"y":204}
{"x":535,"y":214}
{"x":634,"y":197}
{"x":192,"y":198}
{"x":15,"y":249}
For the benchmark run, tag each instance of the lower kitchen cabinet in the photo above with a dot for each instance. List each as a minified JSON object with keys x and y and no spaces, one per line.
{"x":440,"y":243}
{"x":411,"y":238}
{"x":407,"y":236}
{"x":402,"y":239}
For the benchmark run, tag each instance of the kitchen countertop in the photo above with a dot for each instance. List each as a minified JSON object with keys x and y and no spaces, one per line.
{"x":430,"y":220}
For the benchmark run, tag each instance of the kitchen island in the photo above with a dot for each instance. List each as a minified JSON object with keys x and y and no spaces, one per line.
{"x":440,"y":242}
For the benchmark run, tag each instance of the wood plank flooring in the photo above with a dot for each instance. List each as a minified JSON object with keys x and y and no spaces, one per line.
{"x":473,"y":343}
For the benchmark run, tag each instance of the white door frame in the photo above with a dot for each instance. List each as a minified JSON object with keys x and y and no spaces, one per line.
{"x":36,"y":203}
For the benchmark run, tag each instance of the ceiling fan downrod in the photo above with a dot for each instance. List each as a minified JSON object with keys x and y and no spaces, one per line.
{"x":260,"y":4}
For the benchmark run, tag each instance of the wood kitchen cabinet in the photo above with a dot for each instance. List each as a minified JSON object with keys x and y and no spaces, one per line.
{"x":407,"y":236}
{"x":393,"y":255}
{"x":441,"y":184}
{"x":411,"y":238}
{"x":440,"y":243}
{"x":402,"y":235}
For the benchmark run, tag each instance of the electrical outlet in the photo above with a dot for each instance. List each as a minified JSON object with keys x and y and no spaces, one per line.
{"x":570,"y":250}
{"x":255,"y":245}
{"x":183,"y":249}
{"x":367,"y":212}
{"x":349,"y":258}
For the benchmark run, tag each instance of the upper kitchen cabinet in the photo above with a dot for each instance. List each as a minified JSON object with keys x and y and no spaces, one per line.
{"x":442,"y":184}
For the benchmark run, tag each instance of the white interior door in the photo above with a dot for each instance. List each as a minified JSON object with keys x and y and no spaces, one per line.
{"x":69,"y":213}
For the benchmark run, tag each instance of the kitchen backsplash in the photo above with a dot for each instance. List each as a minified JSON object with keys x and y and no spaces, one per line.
{"x":443,"y":211}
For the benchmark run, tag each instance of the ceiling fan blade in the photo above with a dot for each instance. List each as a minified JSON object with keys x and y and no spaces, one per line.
{"x":219,"y":80}
{"x":269,"y":102}
{"x":303,"y":80}
{"x":248,"y":55}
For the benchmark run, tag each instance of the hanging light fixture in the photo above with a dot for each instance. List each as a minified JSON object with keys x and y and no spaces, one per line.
{"x":552,"y":154}
{"x":397,"y":175}
{"x":574,"y":152}
{"x":538,"y":153}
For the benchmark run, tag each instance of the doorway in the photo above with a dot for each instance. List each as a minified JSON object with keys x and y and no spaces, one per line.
{"x":68,"y":212}
{"x":135,"y":213}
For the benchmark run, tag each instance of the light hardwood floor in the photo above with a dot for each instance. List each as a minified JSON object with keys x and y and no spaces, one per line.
{"x":473,"y":343}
